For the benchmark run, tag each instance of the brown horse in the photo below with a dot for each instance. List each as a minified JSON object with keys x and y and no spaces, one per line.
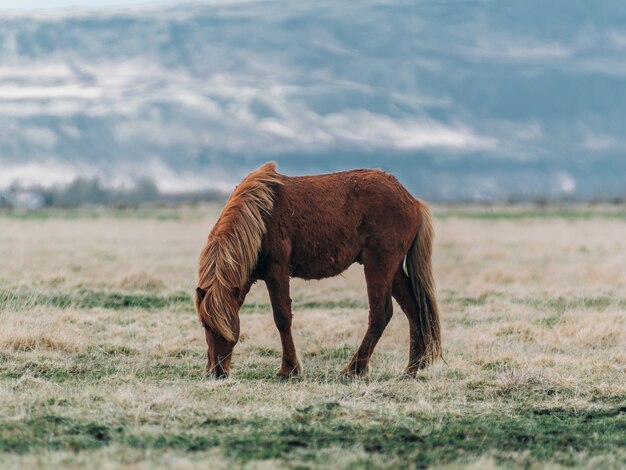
{"x":275,"y":227}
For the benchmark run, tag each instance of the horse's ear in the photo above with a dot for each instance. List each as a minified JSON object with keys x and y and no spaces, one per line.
{"x":201,"y":293}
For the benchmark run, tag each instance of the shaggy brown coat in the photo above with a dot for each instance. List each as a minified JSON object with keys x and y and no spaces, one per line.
{"x":275,"y":227}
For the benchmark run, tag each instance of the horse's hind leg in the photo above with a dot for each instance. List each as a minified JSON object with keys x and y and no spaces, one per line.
{"x":277,"y":282}
{"x":403,"y":293}
{"x":378,"y":277}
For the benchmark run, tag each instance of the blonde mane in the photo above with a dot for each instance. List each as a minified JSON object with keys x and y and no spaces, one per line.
{"x":231,"y":252}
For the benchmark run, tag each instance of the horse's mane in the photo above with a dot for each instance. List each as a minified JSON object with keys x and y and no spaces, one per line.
{"x":231,"y":252}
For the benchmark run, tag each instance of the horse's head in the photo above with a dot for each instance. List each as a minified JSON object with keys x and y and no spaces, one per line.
{"x":221,"y":328}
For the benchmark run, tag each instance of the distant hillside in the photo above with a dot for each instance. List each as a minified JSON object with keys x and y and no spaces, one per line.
{"x":472,"y":100}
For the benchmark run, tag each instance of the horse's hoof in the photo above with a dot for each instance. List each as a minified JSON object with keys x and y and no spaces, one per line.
{"x":288,"y":373}
{"x":347,"y":373}
{"x":414,"y":372}
{"x":414,"y":368}
{"x":350,"y":373}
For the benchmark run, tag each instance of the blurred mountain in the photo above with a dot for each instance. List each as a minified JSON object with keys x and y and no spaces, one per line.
{"x":472,"y":99}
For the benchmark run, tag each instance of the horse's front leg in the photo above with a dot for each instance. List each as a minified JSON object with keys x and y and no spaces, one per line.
{"x":277,"y":282}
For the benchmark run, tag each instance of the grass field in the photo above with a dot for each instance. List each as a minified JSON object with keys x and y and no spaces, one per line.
{"x":101,"y":354}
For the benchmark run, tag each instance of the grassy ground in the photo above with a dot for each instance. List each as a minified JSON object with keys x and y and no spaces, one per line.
{"x":101,"y":355}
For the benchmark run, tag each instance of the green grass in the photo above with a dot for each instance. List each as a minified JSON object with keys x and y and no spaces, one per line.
{"x":562,"y":304}
{"x":88,"y":299}
{"x":99,"y":364}
{"x":558,"y":304}
{"x":340,"y":304}
{"x":78,"y":370}
{"x":563,"y":436}
{"x":341,"y":353}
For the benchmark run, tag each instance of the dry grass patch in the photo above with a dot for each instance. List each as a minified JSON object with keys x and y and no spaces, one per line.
{"x":101,"y":354}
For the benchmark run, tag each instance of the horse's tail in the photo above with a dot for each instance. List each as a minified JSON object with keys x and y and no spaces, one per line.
{"x":420,"y":271}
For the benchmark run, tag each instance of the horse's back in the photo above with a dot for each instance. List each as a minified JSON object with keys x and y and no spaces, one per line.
{"x":350,"y":191}
{"x":327,"y":221}
{"x":357,"y":196}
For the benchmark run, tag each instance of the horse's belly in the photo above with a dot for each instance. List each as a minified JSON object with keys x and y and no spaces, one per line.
{"x":322,"y":263}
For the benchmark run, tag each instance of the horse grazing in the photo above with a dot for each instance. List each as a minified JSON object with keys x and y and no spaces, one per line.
{"x":275,"y":227}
